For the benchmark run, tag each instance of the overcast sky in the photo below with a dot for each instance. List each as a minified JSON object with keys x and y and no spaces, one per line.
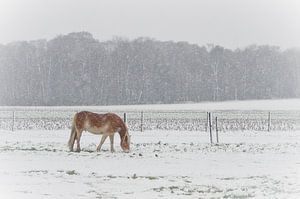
{"x":230,"y":23}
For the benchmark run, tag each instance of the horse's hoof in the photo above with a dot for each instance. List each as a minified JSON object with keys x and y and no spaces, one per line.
{"x":126,"y":151}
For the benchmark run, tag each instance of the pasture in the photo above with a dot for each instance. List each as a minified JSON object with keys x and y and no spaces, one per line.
{"x":171,"y":157}
{"x":162,"y":164}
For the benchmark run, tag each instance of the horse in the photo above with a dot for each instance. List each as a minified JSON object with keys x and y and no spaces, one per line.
{"x":100,"y":124}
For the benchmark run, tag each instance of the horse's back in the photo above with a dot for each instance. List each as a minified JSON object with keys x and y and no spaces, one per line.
{"x":98,"y":123}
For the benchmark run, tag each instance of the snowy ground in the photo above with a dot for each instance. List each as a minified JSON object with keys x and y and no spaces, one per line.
{"x":162,"y":164}
{"x":256,"y":115}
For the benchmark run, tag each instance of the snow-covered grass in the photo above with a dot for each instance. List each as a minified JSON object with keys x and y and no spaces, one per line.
{"x":166,"y":164}
{"x":163,"y":163}
{"x":193,"y":120}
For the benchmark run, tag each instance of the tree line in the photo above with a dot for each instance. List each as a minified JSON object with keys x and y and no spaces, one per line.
{"x":77,"y":69}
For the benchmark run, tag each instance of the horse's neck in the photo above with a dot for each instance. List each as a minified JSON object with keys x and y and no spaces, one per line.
{"x":123,"y":131}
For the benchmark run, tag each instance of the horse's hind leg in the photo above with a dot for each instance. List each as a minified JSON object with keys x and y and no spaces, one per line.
{"x":111,"y":137}
{"x":101,"y":142}
{"x":72,"y":138}
{"x":78,"y":136}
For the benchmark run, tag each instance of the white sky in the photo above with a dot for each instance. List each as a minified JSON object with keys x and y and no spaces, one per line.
{"x":230,"y":23}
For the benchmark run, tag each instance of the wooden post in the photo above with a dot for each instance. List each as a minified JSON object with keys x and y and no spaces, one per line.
{"x":269,"y":121}
{"x":142,"y":121}
{"x":13,"y":121}
{"x":210,"y":126}
{"x":125,"y":119}
{"x":206,"y":122}
{"x":217,"y":133}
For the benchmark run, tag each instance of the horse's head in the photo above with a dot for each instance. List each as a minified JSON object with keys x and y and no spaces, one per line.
{"x":125,"y":143}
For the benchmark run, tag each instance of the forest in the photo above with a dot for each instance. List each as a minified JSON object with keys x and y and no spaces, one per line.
{"x":77,"y":69}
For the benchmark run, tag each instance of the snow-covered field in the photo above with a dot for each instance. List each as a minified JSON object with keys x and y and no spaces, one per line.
{"x":162,"y":164}
{"x":232,"y":116}
{"x":166,"y":161}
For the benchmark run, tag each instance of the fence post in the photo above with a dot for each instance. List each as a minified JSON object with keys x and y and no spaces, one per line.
{"x":142,"y":121}
{"x":206,"y":122}
{"x":210,"y":126}
{"x":269,"y":121}
{"x":217,"y":133}
{"x":125,"y":119}
{"x":13,"y":121}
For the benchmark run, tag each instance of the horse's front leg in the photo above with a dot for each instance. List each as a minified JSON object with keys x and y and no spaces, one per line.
{"x":78,"y":136}
{"x":101,"y":142}
{"x":111,"y":137}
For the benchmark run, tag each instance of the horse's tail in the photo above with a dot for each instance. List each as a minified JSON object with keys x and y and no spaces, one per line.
{"x":73,"y":134}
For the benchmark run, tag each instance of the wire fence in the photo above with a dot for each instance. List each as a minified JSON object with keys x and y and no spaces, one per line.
{"x":159,"y":120}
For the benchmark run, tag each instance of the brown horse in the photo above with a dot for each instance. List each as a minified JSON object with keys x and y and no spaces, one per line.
{"x":105,"y":124}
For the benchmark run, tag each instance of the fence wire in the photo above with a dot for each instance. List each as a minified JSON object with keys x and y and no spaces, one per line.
{"x":158,"y":120}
